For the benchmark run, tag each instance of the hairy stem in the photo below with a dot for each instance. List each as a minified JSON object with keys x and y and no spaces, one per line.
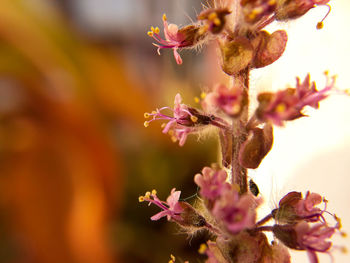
{"x":239,"y":135}
{"x":264,"y":220}
{"x":264,"y":228}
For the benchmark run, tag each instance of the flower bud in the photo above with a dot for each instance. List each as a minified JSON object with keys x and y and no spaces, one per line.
{"x":236,"y":55}
{"x":255,"y":148}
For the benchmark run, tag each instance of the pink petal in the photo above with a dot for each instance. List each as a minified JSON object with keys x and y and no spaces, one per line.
{"x":312,"y":256}
{"x":159,"y":215}
{"x":173,"y":198}
{"x":177,"y":57}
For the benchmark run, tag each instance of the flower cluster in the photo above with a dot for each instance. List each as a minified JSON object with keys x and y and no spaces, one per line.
{"x":227,"y":205}
{"x":287,"y":104}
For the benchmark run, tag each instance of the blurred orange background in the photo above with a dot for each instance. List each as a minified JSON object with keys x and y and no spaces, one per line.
{"x":76,"y":77}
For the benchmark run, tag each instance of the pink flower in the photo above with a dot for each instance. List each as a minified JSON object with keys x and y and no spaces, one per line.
{"x":292,"y":208}
{"x":175,"y":38}
{"x":229,"y":100}
{"x":212,"y":183}
{"x":185,"y":120}
{"x":313,"y":239}
{"x":171,"y":208}
{"x":287,"y":104}
{"x":236,"y":212}
{"x":306,"y":208}
{"x":302,"y":236}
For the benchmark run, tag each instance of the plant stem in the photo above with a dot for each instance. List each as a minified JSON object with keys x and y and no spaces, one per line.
{"x":264,"y":228}
{"x":239,"y":134}
{"x":264,"y":220}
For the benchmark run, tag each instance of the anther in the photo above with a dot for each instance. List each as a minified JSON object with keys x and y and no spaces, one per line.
{"x":194,"y":118}
{"x":146,"y":115}
{"x":196,"y":99}
{"x":173,"y":139}
{"x":236,"y":109}
{"x":212,"y":16}
{"x":202,"y":248}
{"x":146,"y":124}
{"x":203,"y":29}
{"x":217,"y":22}
{"x":319,"y":25}
{"x":164,"y":17}
{"x":203,"y":95}
{"x":163,"y":125}
{"x":150,"y":33}
{"x":156,"y":30}
{"x":141,"y":199}
{"x":281,"y":107}
{"x":154,"y":192}
{"x":147,"y":194}
{"x":154,"y":112}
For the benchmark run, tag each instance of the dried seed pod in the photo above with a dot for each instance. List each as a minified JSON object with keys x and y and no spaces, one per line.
{"x":257,"y":145}
{"x":236,"y":55}
{"x":270,"y":47}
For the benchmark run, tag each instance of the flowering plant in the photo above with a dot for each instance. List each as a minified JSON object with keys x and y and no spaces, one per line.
{"x":227,"y":202}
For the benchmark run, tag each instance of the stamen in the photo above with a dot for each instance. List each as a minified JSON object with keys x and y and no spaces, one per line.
{"x":150,"y":33}
{"x":196,"y":99}
{"x":203,"y":95}
{"x":320,"y":24}
{"x":146,"y":115}
{"x":164,"y":17}
{"x":163,"y":125}
{"x":154,"y":192}
{"x":156,"y":30}
{"x":173,"y":139}
{"x":172,"y":259}
{"x":146,"y":124}
{"x":141,"y":199}
{"x":147,"y":195}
